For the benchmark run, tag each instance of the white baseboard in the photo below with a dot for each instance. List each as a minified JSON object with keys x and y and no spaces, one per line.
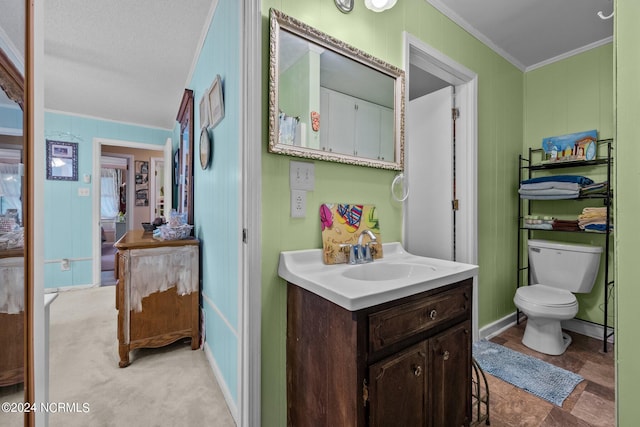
{"x":582,"y":327}
{"x":499,"y":326}
{"x":589,"y":329}
{"x":223,"y":386}
{"x":69,"y":288}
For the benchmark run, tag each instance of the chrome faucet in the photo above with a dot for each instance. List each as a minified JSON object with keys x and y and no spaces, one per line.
{"x":363,"y":252}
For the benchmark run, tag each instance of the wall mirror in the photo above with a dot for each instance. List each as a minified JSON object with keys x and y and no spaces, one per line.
{"x":15,"y":305}
{"x":185,"y":166}
{"x":331,"y":101}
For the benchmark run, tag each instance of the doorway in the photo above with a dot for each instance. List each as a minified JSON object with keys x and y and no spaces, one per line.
{"x":429,"y":70}
{"x":133,"y":201}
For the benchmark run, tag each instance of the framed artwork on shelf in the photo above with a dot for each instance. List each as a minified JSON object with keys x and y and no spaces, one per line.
{"x":216,"y":102}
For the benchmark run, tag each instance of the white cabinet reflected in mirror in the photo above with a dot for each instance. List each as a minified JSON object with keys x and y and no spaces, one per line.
{"x":331,"y":101}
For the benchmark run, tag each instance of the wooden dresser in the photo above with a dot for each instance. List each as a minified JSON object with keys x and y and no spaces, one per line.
{"x":157,"y":294}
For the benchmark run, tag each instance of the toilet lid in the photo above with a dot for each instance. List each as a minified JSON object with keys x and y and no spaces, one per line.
{"x":546,"y":295}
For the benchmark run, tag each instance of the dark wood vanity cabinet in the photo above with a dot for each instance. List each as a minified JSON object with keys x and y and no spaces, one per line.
{"x":401,"y":363}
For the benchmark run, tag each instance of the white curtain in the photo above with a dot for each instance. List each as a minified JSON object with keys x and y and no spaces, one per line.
{"x":10,"y":188}
{"x":109,"y":192}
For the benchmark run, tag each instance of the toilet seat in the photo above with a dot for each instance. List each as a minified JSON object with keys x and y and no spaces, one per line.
{"x":547,"y":296}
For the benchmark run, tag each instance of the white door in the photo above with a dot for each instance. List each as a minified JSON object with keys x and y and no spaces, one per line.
{"x":157,"y":189}
{"x":429,"y":213}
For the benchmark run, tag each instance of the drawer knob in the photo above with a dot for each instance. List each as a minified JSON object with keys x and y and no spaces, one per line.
{"x":445,"y":355}
{"x":417,"y":370}
{"x":433,"y":314}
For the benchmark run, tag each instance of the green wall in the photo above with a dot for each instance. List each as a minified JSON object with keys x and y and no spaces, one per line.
{"x":572,"y":95}
{"x":500,"y":130}
{"x":627,"y":202}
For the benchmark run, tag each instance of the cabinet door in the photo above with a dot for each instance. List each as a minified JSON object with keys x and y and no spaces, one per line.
{"x":339,"y":124}
{"x":387,"y":135}
{"x":367,"y":130}
{"x":397,"y":390}
{"x":450,"y":376}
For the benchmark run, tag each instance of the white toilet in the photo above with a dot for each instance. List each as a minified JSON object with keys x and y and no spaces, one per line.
{"x":556,"y":271}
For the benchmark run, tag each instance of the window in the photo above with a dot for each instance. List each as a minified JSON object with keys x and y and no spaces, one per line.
{"x":110,"y":180}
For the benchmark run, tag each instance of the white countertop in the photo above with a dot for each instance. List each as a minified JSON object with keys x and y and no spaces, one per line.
{"x":397,"y":275}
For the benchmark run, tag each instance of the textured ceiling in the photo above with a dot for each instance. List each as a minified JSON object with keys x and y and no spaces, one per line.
{"x":129,"y":61}
{"x":121,"y":60}
{"x":530,"y":33}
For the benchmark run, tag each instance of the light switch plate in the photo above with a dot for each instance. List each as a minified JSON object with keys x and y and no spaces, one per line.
{"x":83,"y":191}
{"x":301,"y":175}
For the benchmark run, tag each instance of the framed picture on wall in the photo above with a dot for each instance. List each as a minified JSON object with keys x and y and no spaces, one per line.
{"x":216,"y":102}
{"x":204,"y":110}
{"x":62,"y":160}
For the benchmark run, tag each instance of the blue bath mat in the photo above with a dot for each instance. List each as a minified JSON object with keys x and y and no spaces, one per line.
{"x":538,"y":377}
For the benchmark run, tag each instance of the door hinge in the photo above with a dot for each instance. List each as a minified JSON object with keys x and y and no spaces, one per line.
{"x":244,"y":235}
{"x":455,"y":113}
{"x":365,"y":393}
{"x":454,"y":204}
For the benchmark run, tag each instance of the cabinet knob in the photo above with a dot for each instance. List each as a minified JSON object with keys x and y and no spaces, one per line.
{"x":445,"y":355}
{"x":417,"y":370}
{"x":433,"y":314}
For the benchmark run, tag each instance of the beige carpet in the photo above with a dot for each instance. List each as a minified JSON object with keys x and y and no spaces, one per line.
{"x":172,"y":386}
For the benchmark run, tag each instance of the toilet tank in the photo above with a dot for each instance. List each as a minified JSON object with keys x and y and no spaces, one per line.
{"x":567,"y":266}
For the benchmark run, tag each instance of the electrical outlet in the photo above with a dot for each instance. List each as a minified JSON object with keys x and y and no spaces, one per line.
{"x":301,"y":175}
{"x":298,"y":203}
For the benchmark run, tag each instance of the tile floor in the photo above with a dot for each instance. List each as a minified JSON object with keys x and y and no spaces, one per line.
{"x":592,"y":403}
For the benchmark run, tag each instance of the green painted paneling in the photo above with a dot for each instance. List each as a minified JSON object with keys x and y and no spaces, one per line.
{"x":627,"y":202}
{"x":500,"y":103}
{"x":568,"y":96}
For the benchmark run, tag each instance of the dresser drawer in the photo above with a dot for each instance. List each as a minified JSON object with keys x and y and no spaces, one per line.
{"x":394,"y":324}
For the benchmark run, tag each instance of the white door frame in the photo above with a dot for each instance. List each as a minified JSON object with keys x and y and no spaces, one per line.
{"x":95,"y":212}
{"x":420,"y":54}
{"x":153,"y":200}
{"x":250,"y":298}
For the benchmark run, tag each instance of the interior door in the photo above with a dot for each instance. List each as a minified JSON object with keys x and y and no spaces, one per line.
{"x":429,"y":168}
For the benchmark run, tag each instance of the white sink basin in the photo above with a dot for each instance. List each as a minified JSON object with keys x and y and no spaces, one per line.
{"x":387,"y":271}
{"x":398,"y":274}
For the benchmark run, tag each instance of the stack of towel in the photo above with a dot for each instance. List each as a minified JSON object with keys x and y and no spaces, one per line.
{"x":566,"y":225}
{"x":553,"y":187}
{"x":595,"y":188}
{"x":594,"y":219}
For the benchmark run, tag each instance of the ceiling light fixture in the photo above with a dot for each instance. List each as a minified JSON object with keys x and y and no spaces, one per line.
{"x":379,"y":5}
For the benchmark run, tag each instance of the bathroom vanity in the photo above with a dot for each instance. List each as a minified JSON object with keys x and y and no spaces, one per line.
{"x":157,"y":294}
{"x":386,"y":343}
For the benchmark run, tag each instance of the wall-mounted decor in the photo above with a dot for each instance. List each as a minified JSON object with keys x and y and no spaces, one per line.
{"x":344,"y":6}
{"x":142,"y":183}
{"x":62,"y":160}
{"x":216,"y":102}
{"x":204,"y":110}
{"x":205,"y":148}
